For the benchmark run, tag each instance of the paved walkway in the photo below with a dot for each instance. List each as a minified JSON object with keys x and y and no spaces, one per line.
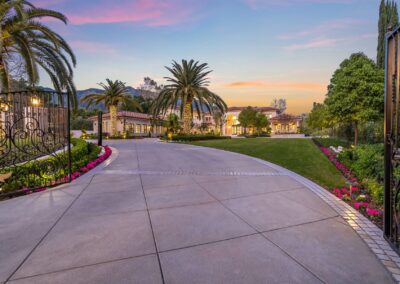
{"x":181,"y":214}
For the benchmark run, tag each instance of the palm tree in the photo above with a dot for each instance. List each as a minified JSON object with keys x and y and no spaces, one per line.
{"x":188,"y":90}
{"x":172,"y":123}
{"x":115,"y":94}
{"x":26,"y":42}
{"x":218,"y":117}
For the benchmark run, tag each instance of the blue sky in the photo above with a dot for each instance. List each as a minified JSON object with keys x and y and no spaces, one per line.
{"x":258,"y":49}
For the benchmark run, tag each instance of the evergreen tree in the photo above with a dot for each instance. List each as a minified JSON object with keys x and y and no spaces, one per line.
{"x":388,"y":19}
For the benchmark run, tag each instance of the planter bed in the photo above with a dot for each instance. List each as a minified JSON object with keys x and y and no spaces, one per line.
{"x":77,"y":172}
{"x":354,"y":194}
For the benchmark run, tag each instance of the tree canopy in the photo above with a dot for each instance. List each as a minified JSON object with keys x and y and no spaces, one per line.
{"x":188,"y":91}
{"x":27,"y":42}
{"x":318,"y":117}
{"x":388,"y":19}
{"x":247,"y":118}
{"x":279,"y":104}
{"x":355,"y":93}
{"x":252,"y":118}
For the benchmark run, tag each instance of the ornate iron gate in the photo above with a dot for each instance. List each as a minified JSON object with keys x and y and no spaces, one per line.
{"x":35,"y":142}
{"x":392,"y":150}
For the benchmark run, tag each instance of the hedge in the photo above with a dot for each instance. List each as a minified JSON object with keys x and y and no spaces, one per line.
{"x":36,"y":173}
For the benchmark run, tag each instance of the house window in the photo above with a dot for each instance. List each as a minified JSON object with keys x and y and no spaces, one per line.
{"x":138,"y":130}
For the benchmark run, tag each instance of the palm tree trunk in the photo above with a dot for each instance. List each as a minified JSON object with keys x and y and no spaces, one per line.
{"x":113,"y":118}
{"x":187,"y":117}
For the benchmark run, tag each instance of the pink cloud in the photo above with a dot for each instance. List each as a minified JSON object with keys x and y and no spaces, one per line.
{"x":92,"y":47}
{"x":259,"y":3}
{"x":324,"y":27}
{"x":145,"y":12}
{"x":315,"y":43}
{"x":329,"y":42}
{"x":277,"y":85}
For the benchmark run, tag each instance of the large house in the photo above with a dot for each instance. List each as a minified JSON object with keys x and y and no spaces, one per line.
{"x":286,"y":124}
{"x":280,"y":123}
{"x":131,"y":123}
{"x":140,"y":124}
{"x":232,"y":125}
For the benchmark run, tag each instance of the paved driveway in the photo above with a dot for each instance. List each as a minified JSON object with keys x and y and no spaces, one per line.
{"x":180,"y":214}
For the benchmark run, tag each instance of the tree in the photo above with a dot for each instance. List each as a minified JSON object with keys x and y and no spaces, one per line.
{"x":172,"y":123}
{"x":31,"y":45}
{"x":188,"y":91}
{"x":355,"y":93}
{"x":261,"y":122}
{"x":80,"y":119}
{"x":115,"y":94}
{"x":279,"y":104}
{"x":145,"y":103}
{"x":247,"y":118}
{"x":318,"y":117}
{"x":149,"y":88}
{"x":388,"y":19}
{"x":218,"y":117}
{"x":132,"y":105}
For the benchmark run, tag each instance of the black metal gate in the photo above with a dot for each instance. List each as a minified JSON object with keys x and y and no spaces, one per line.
{"x":35,"y":142}
{"x":392,"y":151}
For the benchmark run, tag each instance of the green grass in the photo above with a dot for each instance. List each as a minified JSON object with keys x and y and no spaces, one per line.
{"x":299,"y":155}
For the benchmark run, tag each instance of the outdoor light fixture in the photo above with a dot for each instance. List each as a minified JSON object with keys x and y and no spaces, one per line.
{"x":35,"y":101}
{"x":4,"y":107}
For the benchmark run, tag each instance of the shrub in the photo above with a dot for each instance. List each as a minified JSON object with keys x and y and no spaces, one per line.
{"x":36,"y":173}
{"x":375,"y":190}
{"x":365,"y":161}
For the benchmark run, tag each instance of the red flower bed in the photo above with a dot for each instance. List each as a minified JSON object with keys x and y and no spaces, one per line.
{"x":74,"y":175}
{"x":353,"y":193}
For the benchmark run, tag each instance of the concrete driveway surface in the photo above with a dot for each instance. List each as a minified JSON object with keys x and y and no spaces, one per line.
{"x":170,"y":213}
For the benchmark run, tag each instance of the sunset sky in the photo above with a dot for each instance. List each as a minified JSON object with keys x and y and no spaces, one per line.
{"x":258,"y":49}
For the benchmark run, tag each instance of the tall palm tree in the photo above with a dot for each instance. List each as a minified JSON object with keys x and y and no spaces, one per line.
{"x":172,"y":123}
{"x":115,"y":94}
{"x":218,"y":117}
{"x":24,"y":40}
{"x":188,"y":91}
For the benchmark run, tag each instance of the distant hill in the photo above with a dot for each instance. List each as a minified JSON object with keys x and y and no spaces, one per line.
{"x":81,"y":93}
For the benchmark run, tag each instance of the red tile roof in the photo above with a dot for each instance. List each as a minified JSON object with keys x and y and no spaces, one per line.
{"x":130,"y":114}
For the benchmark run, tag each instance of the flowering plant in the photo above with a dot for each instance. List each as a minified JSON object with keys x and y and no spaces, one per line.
{"x":353,"y":192}
{"x":107,"y":153}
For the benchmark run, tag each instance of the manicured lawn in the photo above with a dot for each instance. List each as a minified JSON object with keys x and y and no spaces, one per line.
{"x":298,"y":155}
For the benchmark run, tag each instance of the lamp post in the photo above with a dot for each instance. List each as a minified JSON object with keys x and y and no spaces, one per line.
{"x":100,"y":128}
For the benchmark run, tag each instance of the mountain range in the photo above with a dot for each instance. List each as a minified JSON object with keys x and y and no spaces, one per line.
{"x":130,"y":90}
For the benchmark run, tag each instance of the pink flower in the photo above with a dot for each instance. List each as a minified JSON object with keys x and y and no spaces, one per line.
{"x":337,"y":192}
{"x":373,"y":212}
{"x":357,"y":205}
